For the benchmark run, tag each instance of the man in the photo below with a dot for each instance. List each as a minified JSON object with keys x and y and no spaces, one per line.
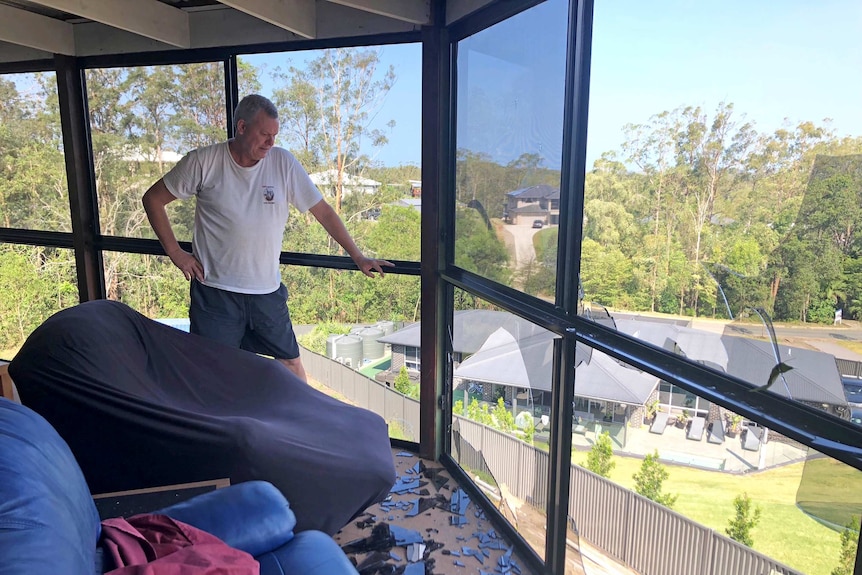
{"x":244,"y":190}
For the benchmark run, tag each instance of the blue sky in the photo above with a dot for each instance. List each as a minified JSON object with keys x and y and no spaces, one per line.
{"x":402,"y":104}
{"x":777,"y":59}
{"x":772,"y":59}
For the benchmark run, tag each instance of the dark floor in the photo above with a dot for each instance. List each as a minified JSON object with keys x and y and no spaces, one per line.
{"x":420,"y":508}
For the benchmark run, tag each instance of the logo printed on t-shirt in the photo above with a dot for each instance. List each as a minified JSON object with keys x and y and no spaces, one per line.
{"x":268,"y":194}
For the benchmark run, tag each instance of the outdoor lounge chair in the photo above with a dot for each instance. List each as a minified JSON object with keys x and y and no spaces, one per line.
{"x":715,"y":432}
{"x":695,"y":428}
{"x":579,"y":426}
{"x":751,"y":439}
{"x":659,"y":423}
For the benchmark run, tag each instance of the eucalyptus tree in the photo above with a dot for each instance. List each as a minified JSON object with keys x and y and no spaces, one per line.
{"x":328,"y":107}
{"x":478,"y":249}
{"x":137,"y":116}
{"x":709,"y":155}
{"x":778,"y":168}
{"x":33,"y":194}
{"x":650,"y":147}
{"x":298,"y":118}
{"x":812,"y":258}
{"x":480,"y":179}
{"x":33,"y":188}
{"x":117,"y":100}
{"x":199,"y":107}
{"x":150,"y":91}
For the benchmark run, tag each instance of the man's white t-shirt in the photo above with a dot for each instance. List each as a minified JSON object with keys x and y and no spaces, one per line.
{"x":241,"y":213}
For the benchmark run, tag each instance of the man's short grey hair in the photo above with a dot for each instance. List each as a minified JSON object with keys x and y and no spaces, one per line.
{"x":249,"y":106}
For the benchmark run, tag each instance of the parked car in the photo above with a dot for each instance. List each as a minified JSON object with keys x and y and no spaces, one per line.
{"x":856,"y":416}
{"x":852,"y":390}
{"x":538,"y":224}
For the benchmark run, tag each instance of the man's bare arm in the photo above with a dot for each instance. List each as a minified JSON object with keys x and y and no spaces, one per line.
{"x":155,"y":199}
{"x":335,"y":227}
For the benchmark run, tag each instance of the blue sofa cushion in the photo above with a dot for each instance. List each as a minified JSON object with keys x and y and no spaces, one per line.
{"x":48,"y":521}
{"x":253,"y":516}
{"x":309,"y":553}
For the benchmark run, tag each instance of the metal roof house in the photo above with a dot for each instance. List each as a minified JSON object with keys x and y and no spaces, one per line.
{"x":327,"y":180}
{"x":540,"y":202}
{"x":515,"y":359}
{"x":814,"y":377}
{"x":523,"y":367}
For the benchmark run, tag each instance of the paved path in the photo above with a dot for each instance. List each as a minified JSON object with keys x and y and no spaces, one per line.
{"x":519,"y":238}
{"x":822,"y":338}
{"x":675,"y":448}
{"x":835,"y":349}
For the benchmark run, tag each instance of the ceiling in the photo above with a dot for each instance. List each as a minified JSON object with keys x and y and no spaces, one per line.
{"x":37,"y":29}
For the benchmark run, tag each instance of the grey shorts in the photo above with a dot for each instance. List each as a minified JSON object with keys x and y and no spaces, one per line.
{"x":255,"y":322}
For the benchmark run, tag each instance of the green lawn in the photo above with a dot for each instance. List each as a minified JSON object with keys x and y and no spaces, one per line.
{"x":784,"y":533}
{"x":831,"y":490}
{"x":854,"y":346}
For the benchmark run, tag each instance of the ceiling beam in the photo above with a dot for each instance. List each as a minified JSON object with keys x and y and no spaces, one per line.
{"x":35,"y":31}
{"x":413,"y":11}
{"x":297,"y":16}
{"x":149,"y":18}
{"x":457,"y":9}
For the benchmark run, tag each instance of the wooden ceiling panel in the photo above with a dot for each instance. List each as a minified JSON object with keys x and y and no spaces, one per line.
{"x":32,"y":30}
{"x":413,"y":11}
{"x":297,"y":16}
{"x":148,"y":18}
{"x":26,"y":28}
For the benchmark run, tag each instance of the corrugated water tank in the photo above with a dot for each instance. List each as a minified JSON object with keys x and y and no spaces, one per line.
{"x":330,"y":344}
{"x":345,"y":348}
{"x":386,"y":327}
{"x":371,"y":348}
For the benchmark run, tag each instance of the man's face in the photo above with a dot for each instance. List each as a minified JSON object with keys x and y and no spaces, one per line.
{"x":257,"y":136}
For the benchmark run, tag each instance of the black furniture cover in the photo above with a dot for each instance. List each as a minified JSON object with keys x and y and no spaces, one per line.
{"x":143,"y":404}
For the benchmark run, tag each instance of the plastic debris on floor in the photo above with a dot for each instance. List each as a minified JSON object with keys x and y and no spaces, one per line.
{"x":427,"y":526}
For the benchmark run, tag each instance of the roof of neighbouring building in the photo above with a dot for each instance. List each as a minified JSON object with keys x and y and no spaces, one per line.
{"x":329,"y":177}
{"x":542,"y":191}
{"x":508,"y":350}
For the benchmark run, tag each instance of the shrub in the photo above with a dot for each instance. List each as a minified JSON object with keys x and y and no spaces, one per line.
{"x":529,"y":431}
{"x":315,"y":340}
{"x":458,"y":408}
{"x":849,"y":544}
{"x":649,"y":480}
{"x":600,"y":458}
{"x":404,"y":385}
{"x":503,"y":418}
{"x":740,"y":526}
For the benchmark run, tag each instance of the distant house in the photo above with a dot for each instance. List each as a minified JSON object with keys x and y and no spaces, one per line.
{"x":720,"y":220}
{"x":497,"y":354}
{"x":327,"y":180}
{"x":527,"y":205}
{"x":415,"y":188}
{"x":165,"y":156}
{"x":415,"y":203}
{"x":814,"y":378}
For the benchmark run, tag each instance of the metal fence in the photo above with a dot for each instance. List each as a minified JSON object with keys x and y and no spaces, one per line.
{"x":849,"y":367}
{"x":646,"y":536}
{"x":398,"y":410}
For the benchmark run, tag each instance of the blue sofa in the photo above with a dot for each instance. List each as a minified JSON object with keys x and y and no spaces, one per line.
{"x":49,"y":523}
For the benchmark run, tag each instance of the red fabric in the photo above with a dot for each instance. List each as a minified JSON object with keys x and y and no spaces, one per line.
{"x":153,"y":544}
